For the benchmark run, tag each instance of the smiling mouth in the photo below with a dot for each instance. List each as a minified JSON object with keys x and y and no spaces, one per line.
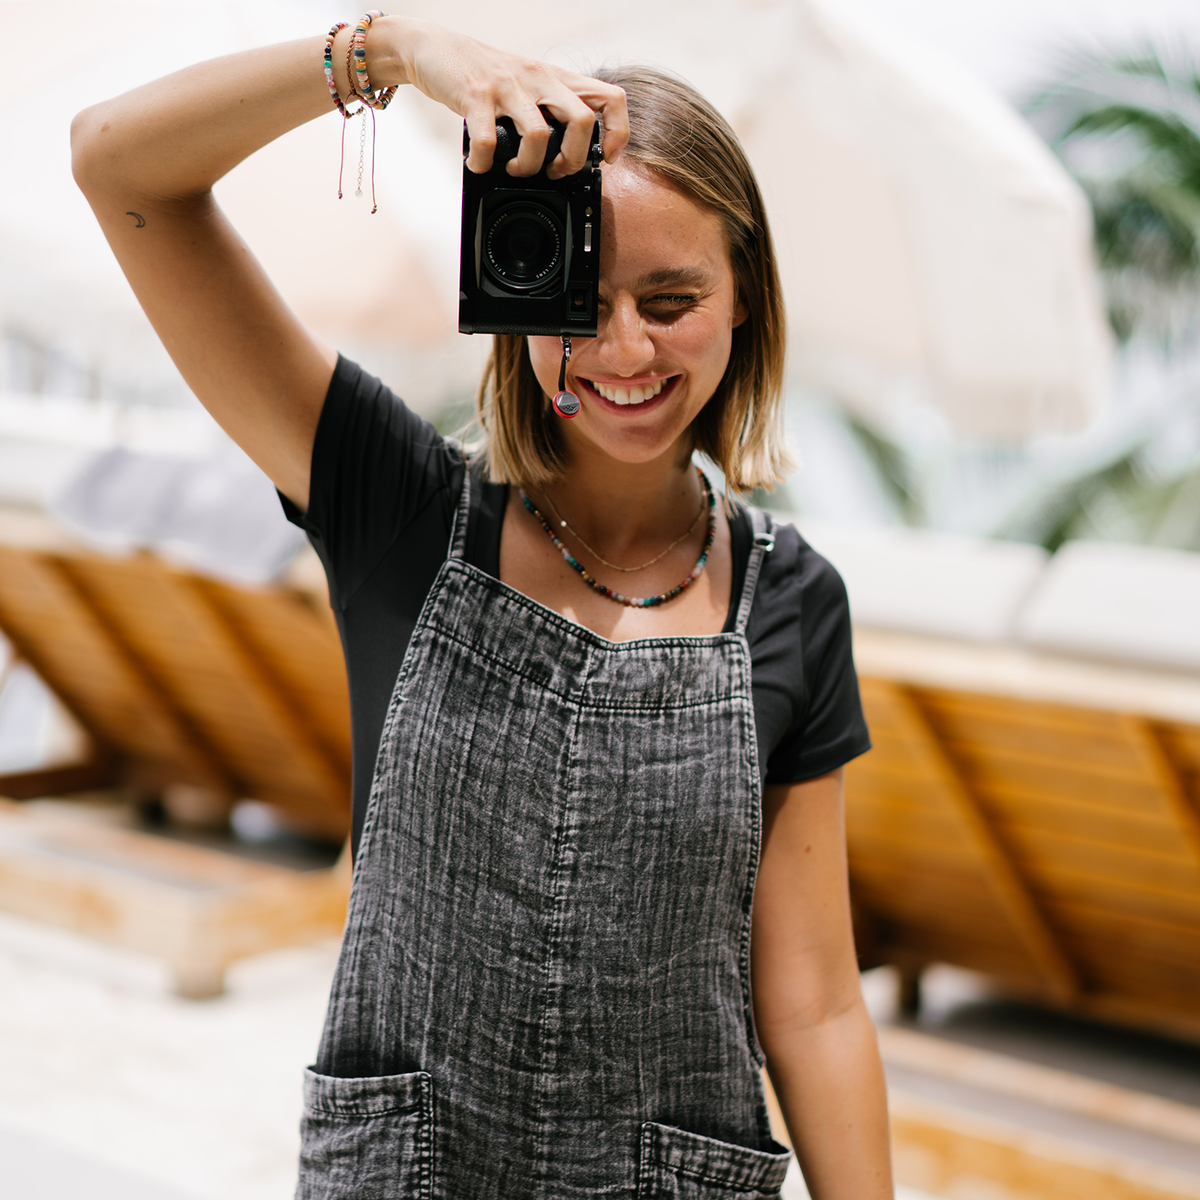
{"x":633,"y":395}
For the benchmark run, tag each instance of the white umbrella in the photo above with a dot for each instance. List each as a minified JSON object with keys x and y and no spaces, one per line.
{"x":932,"y":249}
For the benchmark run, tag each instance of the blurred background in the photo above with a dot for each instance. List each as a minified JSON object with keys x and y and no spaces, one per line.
{"x":988,"y":225}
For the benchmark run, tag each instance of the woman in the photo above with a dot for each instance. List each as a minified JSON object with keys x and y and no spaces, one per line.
{"x":565,"y":805}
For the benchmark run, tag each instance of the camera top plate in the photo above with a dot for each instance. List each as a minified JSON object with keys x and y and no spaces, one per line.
{"x":508,"y":143}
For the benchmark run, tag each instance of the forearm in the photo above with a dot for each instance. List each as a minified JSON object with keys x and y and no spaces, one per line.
{"x":829,"y":1081}
{"x":174,"y":138}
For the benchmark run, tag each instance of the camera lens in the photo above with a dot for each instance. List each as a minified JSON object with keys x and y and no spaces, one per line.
{"x":523,"y":245}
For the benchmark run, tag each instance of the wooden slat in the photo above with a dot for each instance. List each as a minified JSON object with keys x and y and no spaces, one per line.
{"x":878,"y":817}
{"x":1061,"y":884}
{"x":1045,"y":857}
{"x":1040,"y":731}
{"x":64,"y":639}
{"x":198,"y":746}
{"x":1013,"y":773}
{"x":1121,"y":968}
{"x":958,"y":904}
{"x":898,"y":802}
{"x":55,"y":781}
{"x":1182,"y":743}
{"x":1071,"y":817}
{"x":195,"y":908}
{"x":1002,"y":875}
{"x":1156,"y":937}
{"x":308,"y":744}
{"x":918,"y":946}
{"x":196,"y":659}
{"x":301,"y":650}
{"x":1160,"y":767}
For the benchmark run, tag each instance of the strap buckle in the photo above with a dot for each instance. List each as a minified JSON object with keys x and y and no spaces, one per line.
{"x":766,"y":541}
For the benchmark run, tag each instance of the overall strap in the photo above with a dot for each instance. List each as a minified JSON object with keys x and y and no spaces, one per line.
{"x":764,"y":543}
{"x":458,"y":532}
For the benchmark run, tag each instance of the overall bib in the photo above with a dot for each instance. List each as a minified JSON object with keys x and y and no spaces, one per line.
{"x":544,"y":990}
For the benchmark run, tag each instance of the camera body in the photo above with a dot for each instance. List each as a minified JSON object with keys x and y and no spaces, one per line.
{"x":530,"y":254}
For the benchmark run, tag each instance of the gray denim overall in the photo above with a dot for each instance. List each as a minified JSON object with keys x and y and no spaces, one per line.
{"x":544,"y":989}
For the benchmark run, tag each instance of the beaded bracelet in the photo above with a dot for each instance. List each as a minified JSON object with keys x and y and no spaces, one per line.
{"x":362,"y":85}
{"x":329,"y":80}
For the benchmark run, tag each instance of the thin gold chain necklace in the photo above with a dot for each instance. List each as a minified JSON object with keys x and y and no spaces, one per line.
{"x":611,"y":593}
{"x":562,"y":521}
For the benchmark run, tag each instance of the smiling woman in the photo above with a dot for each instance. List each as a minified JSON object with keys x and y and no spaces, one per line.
{"x":600,"y":872}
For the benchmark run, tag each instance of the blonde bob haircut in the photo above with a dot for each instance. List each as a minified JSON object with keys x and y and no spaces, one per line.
{"x":679,"y":136}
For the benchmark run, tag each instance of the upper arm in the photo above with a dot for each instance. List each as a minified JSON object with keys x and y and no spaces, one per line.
{"x":803,"y":960}
{"x":253,"y":365}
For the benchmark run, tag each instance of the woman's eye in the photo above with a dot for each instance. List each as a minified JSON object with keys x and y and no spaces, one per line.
{"x":672,"y":301}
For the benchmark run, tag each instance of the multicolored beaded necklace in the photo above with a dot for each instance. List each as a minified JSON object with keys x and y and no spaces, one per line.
{"x":635,"y":601}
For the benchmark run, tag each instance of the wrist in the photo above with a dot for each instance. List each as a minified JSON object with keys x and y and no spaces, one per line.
{"x":390,"y":47}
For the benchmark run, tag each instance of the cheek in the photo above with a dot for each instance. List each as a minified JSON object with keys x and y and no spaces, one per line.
{"x":707,"y":346}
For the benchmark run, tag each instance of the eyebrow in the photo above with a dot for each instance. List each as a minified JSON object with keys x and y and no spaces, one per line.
{"x":695,"y":277}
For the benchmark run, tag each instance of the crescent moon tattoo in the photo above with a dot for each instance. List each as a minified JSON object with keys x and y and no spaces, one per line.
{"x":140,"y":219}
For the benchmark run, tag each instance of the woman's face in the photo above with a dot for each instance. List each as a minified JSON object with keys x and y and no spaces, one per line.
{"x":668,"y":307}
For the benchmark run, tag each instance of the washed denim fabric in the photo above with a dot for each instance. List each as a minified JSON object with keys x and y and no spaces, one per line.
{"x":544,"y":988}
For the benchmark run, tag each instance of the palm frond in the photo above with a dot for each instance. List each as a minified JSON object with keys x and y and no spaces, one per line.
{"x":1127,"y":126}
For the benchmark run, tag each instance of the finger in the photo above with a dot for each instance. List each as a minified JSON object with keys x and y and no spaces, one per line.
{"x":615,"y":119}
{"x":577,"y":136}
{"x":481,"y":127}
{"x":535,"y":134}
{"x":607,"y":100}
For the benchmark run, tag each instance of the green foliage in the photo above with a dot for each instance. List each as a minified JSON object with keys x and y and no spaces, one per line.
{"x":1126,"y":499}
{"x":1128,"y":129}
{"x":894,"y":466}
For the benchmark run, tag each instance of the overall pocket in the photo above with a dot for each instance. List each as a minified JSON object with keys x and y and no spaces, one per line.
{"x":674,"y":1165}
{"x":366,"y":1139}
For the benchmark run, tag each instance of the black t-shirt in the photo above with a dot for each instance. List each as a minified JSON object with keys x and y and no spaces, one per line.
{"x":385,"y":485}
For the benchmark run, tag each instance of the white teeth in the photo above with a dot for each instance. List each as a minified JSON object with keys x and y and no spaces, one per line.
{"x":633,"y":395}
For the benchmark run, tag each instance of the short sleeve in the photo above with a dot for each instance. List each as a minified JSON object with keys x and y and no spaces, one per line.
{"x":375,"y":466}
{"x":803,"y":655}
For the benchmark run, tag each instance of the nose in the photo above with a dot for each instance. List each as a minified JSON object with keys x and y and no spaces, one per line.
{"x":623,"y":339}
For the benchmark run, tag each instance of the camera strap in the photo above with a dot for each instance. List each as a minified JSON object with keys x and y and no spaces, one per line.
{"x":566,"y":404}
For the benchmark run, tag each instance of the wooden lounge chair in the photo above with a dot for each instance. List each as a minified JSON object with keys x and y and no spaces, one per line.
{"x":1031,"y":810}
{"x":177,"y":679}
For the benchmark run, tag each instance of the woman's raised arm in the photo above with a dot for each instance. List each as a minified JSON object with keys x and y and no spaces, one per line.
{"x":147,"y":162}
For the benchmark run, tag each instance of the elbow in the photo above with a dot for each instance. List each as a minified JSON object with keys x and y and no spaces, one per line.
{"x":87,"y":136}
{"x":799,"y":1012}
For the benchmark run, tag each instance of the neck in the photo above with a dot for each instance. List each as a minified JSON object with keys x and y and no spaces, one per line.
{"x":621,"y":507}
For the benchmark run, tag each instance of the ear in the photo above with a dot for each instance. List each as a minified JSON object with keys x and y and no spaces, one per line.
{"x":741,"y":312}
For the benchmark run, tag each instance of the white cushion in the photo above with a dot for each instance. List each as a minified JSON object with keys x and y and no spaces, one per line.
{"x":1106,"y":600}
{"x":218,"y":516}
{"x":920,"y":581}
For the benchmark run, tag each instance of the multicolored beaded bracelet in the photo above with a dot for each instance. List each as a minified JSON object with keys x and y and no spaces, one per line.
{"x":370,"y":97}
{"x":329,"y":80}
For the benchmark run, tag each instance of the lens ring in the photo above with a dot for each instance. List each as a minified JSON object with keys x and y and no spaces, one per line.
{"x":523,"y":245}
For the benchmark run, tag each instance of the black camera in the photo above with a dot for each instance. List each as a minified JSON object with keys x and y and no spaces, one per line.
{"x":530,"y":256}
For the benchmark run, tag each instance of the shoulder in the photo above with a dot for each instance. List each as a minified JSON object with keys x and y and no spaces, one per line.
{"x":377,"y":467}
{"x":797,"y":586}
{"x":360,"y":407}
{"x":803,"y":662}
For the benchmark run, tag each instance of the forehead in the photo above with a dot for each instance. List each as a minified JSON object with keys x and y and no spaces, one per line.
{"x":653,"y":232}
